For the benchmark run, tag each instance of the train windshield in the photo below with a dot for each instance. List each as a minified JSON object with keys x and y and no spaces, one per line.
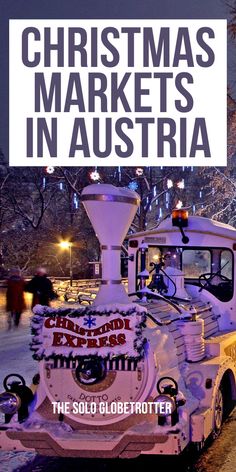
{"x":209,"y":268}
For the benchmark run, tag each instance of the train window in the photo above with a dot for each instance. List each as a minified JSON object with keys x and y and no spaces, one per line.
{"x":196,"y":262}
{"x":210,"y":269}
{"x":226,"y":264}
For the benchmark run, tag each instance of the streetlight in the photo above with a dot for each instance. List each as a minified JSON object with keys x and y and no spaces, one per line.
{"x":68,"y":245}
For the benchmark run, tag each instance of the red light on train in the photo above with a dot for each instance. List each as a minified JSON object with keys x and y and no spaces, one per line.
{"x":180,"y":218}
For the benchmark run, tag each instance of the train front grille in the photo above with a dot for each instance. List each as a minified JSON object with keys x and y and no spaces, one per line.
{"x":118,"y":364}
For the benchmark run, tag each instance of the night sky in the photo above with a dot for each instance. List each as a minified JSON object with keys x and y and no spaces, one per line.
{"x":34,"y":9}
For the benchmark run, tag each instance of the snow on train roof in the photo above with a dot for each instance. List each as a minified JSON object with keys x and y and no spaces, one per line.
{"x":195,"y":223}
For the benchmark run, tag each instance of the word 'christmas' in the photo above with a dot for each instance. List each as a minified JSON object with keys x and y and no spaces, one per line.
{"x":84,"y":46}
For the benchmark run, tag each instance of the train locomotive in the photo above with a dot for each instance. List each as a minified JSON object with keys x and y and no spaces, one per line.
{"x":148,"y":369}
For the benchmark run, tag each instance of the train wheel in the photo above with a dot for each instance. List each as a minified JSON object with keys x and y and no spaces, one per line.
{"x":218,"y":411}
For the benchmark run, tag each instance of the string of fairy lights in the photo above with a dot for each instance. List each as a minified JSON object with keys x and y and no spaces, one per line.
{"x":163,"y":205}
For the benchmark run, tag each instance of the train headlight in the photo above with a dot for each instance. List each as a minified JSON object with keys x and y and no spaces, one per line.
{"x":9,"y":403}
{"x":90,"y":371}
{"x":16,"y":398}
{"x":165,"y":405}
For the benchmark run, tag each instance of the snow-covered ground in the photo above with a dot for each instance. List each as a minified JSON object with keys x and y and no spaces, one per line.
{"x":16,"y":357}
{"x":15,"y":354}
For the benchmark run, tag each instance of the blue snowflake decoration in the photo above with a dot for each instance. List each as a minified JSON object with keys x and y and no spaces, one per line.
{"x":133,"y":185}
{"x":89,"y":321}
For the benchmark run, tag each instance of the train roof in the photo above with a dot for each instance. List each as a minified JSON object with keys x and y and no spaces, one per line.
{"x":195,"y":224}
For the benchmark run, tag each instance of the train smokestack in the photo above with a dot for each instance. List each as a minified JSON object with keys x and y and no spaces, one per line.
{"x":111,"y":211}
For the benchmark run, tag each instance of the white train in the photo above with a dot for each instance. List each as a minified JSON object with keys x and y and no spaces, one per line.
{"x":145,"y":372}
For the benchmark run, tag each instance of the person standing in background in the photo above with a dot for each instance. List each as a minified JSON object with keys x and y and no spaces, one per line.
{"x":41,"y":287}
{"x":15,"y":301}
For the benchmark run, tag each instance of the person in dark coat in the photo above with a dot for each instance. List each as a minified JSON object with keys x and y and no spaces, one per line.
{"x":15,"y":301}
{"x":41,"y":287}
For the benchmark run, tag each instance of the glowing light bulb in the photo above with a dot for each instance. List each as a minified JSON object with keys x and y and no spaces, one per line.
{"x":180,"y":184}
{"x":95,"y":175}
{"x":50,"y":169}
{"x":139,"y":171}
{"x":179,"y":204}
{"x":156,"y":257}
